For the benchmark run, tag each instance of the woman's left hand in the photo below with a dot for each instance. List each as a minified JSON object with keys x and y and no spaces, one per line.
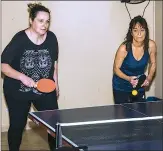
{"x":146,"y":83}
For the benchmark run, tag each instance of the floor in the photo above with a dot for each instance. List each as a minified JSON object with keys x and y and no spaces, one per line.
{"x":33,"y":140}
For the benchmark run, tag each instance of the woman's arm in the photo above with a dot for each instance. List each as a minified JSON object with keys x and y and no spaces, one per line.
{"x":152,"y":64}
{"x":119,"y":58}
{"x":7,"y":56}
{"x":55,"y":76}
{"x":7,"y":70}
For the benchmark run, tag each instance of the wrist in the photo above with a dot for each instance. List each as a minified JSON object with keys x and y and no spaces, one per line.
{"x":128,"y":79}
{"x":149,"y":78}
{"x":20,"y":76}
{"x":57,"y":88}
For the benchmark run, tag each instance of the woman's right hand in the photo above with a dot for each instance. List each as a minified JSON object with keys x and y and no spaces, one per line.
{"x":27,"y":81}
{"x":133,"y":81}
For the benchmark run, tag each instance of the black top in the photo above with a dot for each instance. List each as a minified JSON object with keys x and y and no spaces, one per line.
{"x":35,"y":61}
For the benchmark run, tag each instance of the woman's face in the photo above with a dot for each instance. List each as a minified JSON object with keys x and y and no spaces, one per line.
{"x":138,"y":33}
{"x":41,"y":22}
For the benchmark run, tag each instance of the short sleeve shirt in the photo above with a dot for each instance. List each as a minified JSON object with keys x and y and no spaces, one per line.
{"x":35,"y":61}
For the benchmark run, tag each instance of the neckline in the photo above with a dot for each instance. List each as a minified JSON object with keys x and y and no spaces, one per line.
{"x":33,"y":42}
{"x":134,"y":57}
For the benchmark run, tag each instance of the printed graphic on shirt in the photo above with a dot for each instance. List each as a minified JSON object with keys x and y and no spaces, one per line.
{"x":35,"y":64}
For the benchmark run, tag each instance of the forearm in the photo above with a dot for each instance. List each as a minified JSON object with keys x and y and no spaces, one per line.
{"x":151,"y":71}
{"x":56,"y":78}
{"x":7,"y":70}
{"x":119,"y":73}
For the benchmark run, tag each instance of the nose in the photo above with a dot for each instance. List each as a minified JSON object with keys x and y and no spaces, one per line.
{"x":45,"y":24}
{"x":139,"y":33}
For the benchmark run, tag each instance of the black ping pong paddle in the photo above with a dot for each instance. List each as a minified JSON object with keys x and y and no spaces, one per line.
{"x":141,"y":80}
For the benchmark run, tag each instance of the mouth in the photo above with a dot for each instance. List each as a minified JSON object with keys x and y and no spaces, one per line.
{"x":140,"y":37}
{"x":43,"y":29}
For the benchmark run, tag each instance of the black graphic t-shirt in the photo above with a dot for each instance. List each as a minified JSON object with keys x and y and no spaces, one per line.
{"x":35,"y":61}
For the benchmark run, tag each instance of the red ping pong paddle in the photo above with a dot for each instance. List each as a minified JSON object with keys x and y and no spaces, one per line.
{"x":45,"y":85}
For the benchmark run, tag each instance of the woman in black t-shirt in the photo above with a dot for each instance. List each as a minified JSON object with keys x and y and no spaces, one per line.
{"x":32,"y":54}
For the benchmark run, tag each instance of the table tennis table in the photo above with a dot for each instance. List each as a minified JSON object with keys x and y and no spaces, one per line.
{"x":129,"y":126}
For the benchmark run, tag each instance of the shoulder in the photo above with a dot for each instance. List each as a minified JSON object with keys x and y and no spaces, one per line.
{"x":17,"y":38}
{"x":52,"y":40}
{"x":121,"y":52}
{"x":52,"y":34}
{"x":20,"y":33}
{"x":152,"y":46}
{"x":122,"y":48}
{"x":152,"y":43}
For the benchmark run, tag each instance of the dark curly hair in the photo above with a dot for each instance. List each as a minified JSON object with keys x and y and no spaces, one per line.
{"x":129,"y":38}
{"x":34,"y":8}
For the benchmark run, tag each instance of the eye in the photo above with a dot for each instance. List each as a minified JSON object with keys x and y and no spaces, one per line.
{"x":41,"y":20}
{"x":48,"y":21}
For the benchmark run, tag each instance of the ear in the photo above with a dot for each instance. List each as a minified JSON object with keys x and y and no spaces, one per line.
{"x":30,"y":21}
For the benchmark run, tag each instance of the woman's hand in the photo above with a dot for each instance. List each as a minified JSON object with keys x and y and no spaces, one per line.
{"x":133,"y":81}
{"x":146,"y":83}
{"x":27,"y":81}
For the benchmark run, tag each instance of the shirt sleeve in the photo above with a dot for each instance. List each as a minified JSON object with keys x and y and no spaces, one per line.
{"x":54,"y":42}
{"x":11,"y":49}
{"x":57,"y":50}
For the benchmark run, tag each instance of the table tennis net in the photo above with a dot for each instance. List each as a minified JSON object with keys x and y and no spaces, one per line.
{"x":104,"y":132}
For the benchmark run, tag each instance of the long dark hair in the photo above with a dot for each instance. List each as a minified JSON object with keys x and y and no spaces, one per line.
{"x":129,"y":38}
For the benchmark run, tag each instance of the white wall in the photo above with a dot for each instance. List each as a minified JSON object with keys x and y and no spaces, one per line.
{"x":89,"y":33}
